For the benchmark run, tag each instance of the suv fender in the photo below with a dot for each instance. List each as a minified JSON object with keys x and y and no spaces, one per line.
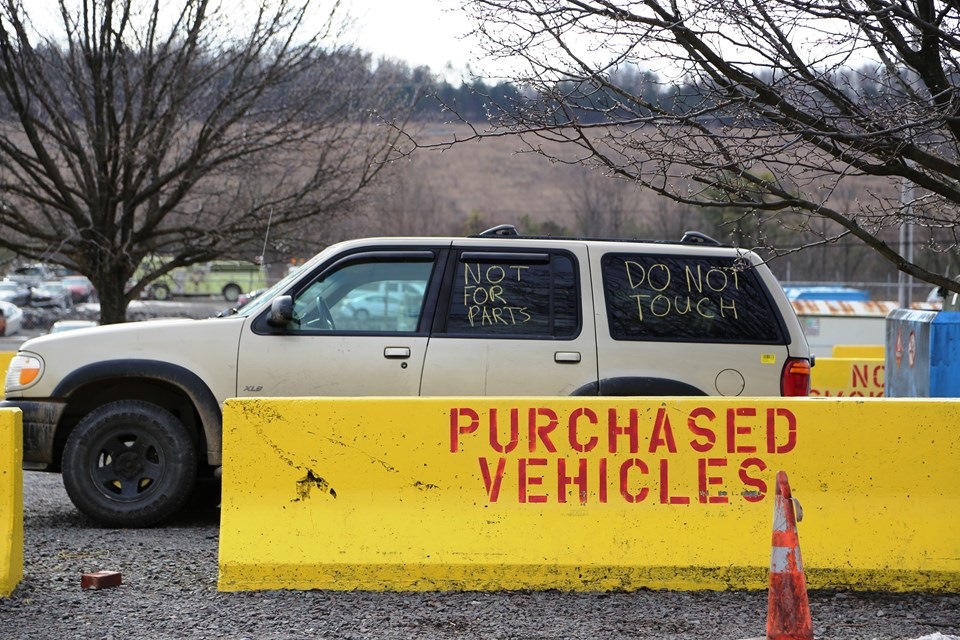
{"x":168,"y":385}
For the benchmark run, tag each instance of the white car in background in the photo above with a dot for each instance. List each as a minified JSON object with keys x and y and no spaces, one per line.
{"x":11,"y":318}
{"x":51,"y":293}
{"x":372,"y":305}
{"x":15,"y":292}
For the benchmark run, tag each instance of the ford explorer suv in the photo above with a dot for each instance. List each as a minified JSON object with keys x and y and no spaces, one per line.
{"x":131,"y":414}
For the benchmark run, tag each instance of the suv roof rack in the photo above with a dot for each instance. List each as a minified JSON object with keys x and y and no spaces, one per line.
{"x":499,"y":230}
{"x":510,"y":231}
{"x":695,"y":237}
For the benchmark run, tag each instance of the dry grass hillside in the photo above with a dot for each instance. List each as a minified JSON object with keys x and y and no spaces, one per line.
{"x":494,"y":181}
{"x":475,"y":185}
{"x":499,"y":178}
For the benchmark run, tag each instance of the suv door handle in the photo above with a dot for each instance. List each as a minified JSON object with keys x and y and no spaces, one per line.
{"x":567,"y":356}
{"x":396,"y":352}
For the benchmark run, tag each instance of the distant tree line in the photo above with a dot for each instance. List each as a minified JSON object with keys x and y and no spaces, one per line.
{"x":618,"y":96}
{"x":431,"y":98}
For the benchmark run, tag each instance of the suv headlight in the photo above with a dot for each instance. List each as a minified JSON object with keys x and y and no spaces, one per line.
{"x":23,"y":371}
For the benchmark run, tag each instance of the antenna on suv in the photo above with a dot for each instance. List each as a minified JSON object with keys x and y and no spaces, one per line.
{"x":499,"y":230}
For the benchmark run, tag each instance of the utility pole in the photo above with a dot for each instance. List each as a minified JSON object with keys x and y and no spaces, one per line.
{"x":905,"y":282}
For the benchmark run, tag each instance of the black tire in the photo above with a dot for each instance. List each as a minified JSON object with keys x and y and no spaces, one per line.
{"x":361,"y":315}
{"x":129,"y":464}
{"x":231,"y":293}
{"x":160,"y":292}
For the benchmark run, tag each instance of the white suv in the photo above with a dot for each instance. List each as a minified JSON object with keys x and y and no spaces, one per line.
{"x":131,"y":413}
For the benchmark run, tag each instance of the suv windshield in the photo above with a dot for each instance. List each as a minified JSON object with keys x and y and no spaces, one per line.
{"x":266,"y":296}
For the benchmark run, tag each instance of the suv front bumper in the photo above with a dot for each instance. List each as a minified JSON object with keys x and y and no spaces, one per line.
{"x":40,"y":420}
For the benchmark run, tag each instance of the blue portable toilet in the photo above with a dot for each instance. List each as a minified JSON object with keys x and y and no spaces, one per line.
{"x":922,"y":354}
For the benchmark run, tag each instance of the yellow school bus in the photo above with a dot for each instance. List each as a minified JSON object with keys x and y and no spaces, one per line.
{"x":228,"y":278}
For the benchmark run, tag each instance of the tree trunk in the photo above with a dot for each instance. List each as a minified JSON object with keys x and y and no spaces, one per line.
{"x":113,"y":302}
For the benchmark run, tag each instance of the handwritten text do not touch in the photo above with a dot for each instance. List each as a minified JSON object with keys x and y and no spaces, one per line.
{"x":697,"y":290}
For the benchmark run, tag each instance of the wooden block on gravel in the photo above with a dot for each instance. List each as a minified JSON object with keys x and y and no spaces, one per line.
{"x":100,"y":580}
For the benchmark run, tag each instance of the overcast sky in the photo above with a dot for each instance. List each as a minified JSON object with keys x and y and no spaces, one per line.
{"x":419,"y":32}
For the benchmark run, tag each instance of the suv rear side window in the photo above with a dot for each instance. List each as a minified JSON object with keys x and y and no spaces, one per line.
{"x":531,"y":295}
{"x":687,"y":298}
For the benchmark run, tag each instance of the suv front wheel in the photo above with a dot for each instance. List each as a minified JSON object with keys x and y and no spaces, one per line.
{"x":129,"y":464}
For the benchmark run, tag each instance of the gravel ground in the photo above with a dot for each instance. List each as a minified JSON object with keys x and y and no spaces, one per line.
{"x":169,"y":590}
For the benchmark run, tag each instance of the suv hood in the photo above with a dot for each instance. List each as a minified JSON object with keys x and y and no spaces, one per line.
{"x":211,"y":345}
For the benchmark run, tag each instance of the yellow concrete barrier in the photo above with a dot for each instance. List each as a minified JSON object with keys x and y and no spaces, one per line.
{"x":858,"y":351}
{"x":848,"y":377}
{"x":11,"y":500}
{"x":593,"y":494}
{"x":5,"y":358}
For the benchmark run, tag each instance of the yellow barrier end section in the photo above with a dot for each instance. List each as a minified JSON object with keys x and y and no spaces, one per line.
{"x":847,"y":377}
{"x":587,"y":494}
{"x":5,"y":358}
{"x":11,"y":500}
{"x":858,"y":351}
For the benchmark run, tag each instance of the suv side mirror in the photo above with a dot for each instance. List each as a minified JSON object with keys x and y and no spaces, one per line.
{"x":281,"y":311}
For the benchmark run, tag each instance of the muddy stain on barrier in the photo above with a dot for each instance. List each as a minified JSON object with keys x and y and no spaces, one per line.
{"x":259,"y":415}
{"x":263,"y":412}
{"x":373,"y":459}
{"x":310,"y":482}
{"x":266,"y":414}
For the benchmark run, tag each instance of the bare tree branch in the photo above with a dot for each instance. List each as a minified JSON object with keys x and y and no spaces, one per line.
{"x":136,"y":127}
{"x":764,"y":106}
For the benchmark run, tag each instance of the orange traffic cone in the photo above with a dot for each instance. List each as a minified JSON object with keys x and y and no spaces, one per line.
{"x":788,"y":610}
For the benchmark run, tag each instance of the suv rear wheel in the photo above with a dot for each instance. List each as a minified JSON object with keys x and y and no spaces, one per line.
{"x":129,"y":463}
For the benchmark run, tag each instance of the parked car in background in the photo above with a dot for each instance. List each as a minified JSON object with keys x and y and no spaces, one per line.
{"x":244,"y":298}
{"x":11,"y":318}
{"x":81,"y":289}
{"x":16,"y":292}
{"x":52,"y":293}
{"x":34,"y":274}
{"x":373,"y":305}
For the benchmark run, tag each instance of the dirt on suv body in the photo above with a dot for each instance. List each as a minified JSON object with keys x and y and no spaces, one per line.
{"x":131,"y":414}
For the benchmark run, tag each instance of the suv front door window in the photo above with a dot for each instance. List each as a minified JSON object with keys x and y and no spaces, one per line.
{"x":358,"y":329}
{"x":364,"y":295}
